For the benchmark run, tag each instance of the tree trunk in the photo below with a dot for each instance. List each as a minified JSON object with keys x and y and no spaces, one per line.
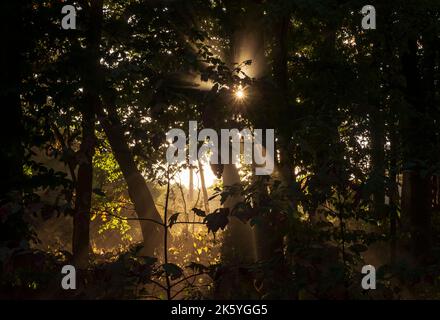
{"x":377,"y":173}
{"x":84,"y":183}
{"x":416,"y":192}
{"x":83,"y":200}
{"x":203,"y":186}
{"x":138,"y":190}
{"x":238,"y":244}
{"x":191,"y":186}
{"x":416,"y":205}
{"x":238,"y":249}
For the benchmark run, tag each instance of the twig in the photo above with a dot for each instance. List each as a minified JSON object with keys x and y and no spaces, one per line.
{"x":157,"y":284}
{"x":188,"y":277}
{"x":135,"y":219}
{"x":165,"y":245}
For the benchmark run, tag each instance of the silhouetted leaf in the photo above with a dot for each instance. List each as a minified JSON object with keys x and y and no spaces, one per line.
{"x":173,"y":270}
{"x":197,"y":267}
{"x":217,"y":220}
{"x":173,"y":219}
{"x":99,"y":192}
{"x":199,"y":212}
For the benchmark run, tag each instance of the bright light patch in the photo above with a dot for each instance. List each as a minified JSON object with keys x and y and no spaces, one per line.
{"x":239,"y":93}
{"x":210,"y":177}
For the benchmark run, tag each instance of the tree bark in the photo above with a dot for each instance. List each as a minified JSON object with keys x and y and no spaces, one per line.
{"x":238,"y":244}
{"x":83,"y":200}
{"x":84,"y":183}
{"x":138,"y":190}
{"x":416,"y":192}
{"x":377,"y":132}
{"x":203,"y":186}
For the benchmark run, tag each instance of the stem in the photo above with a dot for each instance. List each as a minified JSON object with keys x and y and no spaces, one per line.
{"x":185,"y":208}
{"x":147,"y":219}
{"x":165,"y":246}
{"x":205,"y":192}
{"x":188,"y":277}
{"x":134,"y":219}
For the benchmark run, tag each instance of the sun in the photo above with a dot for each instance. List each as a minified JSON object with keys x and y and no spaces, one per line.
{"x":210,"y":177}
{"x":239,"y":93}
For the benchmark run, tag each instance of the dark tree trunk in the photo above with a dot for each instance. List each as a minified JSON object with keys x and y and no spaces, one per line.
{"x":271,"y":232}
{"x":138,"y":190}
{"x":377,"y":131}
{"x":84,"y":183}
{"x":416,"y":206}
{"x":416,"y":192}
{"x":238,"y":247}
{"x":83,"y":201}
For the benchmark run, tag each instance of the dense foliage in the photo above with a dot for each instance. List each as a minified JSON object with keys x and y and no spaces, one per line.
{"x":85,"y":179}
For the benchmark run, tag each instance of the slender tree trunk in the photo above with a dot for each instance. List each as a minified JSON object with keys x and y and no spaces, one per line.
{"x":203,"y":186}
{"x":138,"y":190}
{"x":377,"y":131}
{"x":377,"y":136}
{"x":84,"y":183}
{"x":190,"y":197}
{"x":83,"y":200}
{"x":191,"y":186}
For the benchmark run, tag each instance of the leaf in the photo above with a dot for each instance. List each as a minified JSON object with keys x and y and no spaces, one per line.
{"x":173,"y":219}
{"x":197,"y":267}
{"x":217,"y":220}
{"x":99,"y":192}
{"x":173,"y":270}
{"x":147,"y":260}
{"x":357,"y":248}
{"x":199,"y":212}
